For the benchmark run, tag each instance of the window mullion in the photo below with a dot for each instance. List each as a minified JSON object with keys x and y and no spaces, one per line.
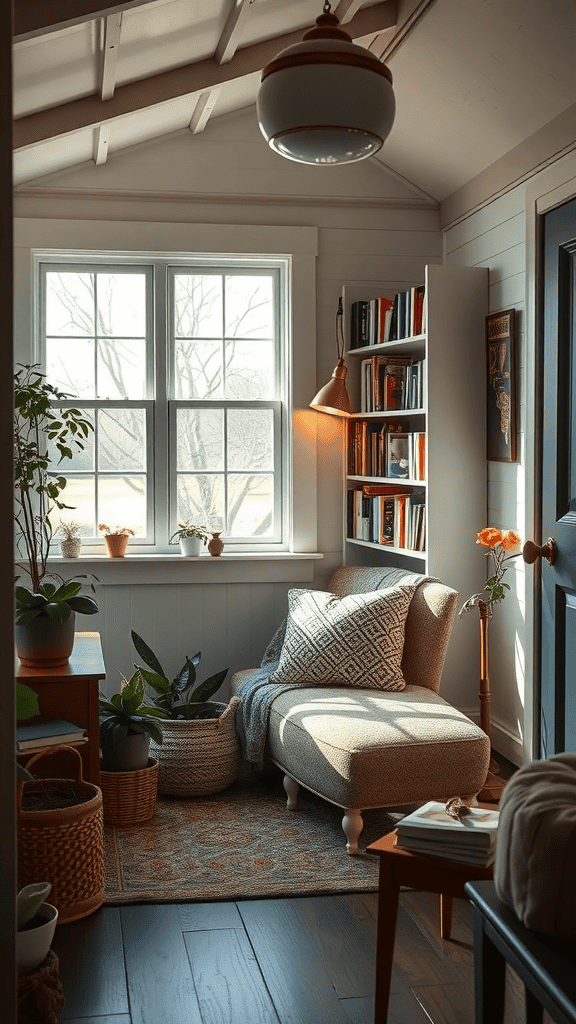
{"x":161,"y":330}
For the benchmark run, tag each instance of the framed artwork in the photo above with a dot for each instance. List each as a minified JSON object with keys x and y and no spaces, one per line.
{"x":501,"y":390}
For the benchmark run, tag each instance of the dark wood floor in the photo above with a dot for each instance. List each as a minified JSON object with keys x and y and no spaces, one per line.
{"x":306,"y":960}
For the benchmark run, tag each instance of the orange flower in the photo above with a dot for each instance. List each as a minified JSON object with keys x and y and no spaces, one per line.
{"x":510,"y":540}
{"x":489,"y":537}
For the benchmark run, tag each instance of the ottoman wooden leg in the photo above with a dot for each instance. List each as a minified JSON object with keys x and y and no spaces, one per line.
{"x":445,"y":916}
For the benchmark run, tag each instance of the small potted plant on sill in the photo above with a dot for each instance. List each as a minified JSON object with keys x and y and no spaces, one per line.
{"x":190,"y":537}
{"x":45,"y":612}
{"x":36,"y":924}
{"x":200,"y":754}
{"x":71,"y":545}
{"x":116,"y":538}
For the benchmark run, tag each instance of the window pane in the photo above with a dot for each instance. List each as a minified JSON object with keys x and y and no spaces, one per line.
{"x":249,"y":307}
{"x":122,"y":368}
{"x":250,"y":439}
{"x":249,"y":370}
{"x":200,"y":439}
{"x":122,"y":439}
{"x":70,"y":366}
{"x":201,"y":500}
{"x":250,"y":506}
{"x":198,"y":305}
{"x":69,"y":303}
{"x":78,"y":493}
{"x":121,"y":304}
{"x":198,"y":369}
{"x":81,"y":458}
{"x":122,"y":502}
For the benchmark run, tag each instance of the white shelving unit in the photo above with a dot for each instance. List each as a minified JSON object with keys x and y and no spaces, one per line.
{"x":453,"y":417}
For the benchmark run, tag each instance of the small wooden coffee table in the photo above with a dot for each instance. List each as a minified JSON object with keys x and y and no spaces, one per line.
{"x":420,"y":871}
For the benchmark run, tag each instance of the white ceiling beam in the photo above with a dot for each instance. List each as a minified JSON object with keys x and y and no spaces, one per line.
{"x":101,"y":138}
{"x":34,"y":18}
{"x":233,"y":30}
{"x":203,"y":110}
{"x":89,"y":111}
{"x":346,"y":10}
{"x":409,"y":14}
{"x":110,"y":53}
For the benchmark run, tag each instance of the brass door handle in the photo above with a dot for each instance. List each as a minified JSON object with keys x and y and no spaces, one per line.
{"x":531,"y":551}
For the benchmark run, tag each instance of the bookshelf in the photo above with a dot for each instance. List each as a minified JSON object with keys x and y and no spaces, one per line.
{"x":450,"y":414}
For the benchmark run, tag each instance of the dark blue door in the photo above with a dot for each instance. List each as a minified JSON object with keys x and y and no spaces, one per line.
{"x":558,"y":581}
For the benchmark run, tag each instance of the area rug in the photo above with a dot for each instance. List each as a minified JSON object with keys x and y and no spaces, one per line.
{"x":240,"y":844}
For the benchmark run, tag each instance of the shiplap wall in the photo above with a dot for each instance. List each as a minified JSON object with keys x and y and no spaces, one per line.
{"x":372,"y":230}
{"x":494,"y":237}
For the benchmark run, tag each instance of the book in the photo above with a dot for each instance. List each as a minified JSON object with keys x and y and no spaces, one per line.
{"x":48,"y":734}
{"x":397,"y":461}
{"x":449,"y":851}
{"x":477,"y":828}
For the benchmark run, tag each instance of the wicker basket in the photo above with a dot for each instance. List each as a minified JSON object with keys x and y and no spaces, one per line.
{"x":63,"y":844}
{"x":130,"y":797}
{"x":201,"y":756}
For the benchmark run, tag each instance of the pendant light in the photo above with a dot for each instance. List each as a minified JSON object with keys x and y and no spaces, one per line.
{"x":326,"y":100}
{"x":333,"y":397}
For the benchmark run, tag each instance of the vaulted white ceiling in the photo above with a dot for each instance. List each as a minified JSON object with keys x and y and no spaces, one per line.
{"x":473,"y":78}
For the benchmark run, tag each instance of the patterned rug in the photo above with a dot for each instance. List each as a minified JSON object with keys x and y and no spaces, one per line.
{"x":239,"y":844}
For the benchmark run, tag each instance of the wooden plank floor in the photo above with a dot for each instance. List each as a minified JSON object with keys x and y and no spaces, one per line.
{"x":307,"y":960}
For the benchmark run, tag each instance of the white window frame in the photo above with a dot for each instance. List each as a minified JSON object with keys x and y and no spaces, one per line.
{"x":38,"y":239}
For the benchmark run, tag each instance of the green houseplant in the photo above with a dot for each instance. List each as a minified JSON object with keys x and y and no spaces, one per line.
{"x":200,"y":753}
{"x":36,"y":924}
{"x":45,"y":612}
{"x":190,"y":537}
{"x":127,"y":722}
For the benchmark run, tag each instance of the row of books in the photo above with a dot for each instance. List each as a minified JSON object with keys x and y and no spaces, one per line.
{"x":390,"y":516}
{"x":375,"y":321}
{"x":36,"y":735}
{"x":390,"y":383}
{"x":430,"y":829}
{"x":386,"y":450}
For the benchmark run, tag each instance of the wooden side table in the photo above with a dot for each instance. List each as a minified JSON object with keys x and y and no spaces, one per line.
{"x":420,"y":871}
{"x":546,"y":966}
{"x":70,"y":692}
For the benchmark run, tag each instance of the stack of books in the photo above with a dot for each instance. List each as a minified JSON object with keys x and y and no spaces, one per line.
{"x":431,"y":830}
{"x":48,"y":734}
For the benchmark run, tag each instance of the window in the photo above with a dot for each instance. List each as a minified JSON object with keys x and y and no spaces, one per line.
{"x":182,"y":367}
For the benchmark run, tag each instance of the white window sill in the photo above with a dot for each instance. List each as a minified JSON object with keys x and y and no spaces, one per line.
{"x":145,"y":569}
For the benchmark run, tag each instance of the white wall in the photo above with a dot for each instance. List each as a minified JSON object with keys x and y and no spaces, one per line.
{"x":371,"y":230}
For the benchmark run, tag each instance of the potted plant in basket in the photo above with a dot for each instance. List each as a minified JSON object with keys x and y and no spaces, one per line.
{"x":190,"y":537}
{"x":36,"y":924}
{"x":127,"y":722}
{"x":200,"y":753}
{"x":45,"y":612}
{"x":116,"y":538}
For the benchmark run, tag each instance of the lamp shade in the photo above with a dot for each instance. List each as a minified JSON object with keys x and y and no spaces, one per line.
{"x":333,"y":397}
{"x":326,"y":100}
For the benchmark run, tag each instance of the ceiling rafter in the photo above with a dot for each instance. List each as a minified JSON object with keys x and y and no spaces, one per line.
{"x":110,"y":53}
{"x":89,"y":111}
{"x":203,"y":110}
{"x":34,"y":18}
{"x":233,"y":30}
{"x":346,"y":10}
{"x":101,"y":139}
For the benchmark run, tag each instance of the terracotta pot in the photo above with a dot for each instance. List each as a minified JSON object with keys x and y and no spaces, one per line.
{"x":44,"y":642}
{"x":216,"y":546}
{"x":116,"y":544}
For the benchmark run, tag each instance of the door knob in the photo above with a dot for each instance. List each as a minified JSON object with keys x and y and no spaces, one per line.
{"x":531,"y":551}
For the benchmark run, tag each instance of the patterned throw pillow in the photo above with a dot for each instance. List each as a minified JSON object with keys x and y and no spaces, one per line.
{"x":351,"y":641}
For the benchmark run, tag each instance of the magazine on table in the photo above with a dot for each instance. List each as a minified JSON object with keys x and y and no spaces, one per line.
{"x":431,"y":821}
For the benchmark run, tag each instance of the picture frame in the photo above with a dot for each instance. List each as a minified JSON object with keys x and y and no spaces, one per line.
{"x":501,"y":386}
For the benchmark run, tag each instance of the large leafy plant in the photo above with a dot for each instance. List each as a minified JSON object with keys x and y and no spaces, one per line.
{"x":176,"y":696}
{"x":37,"y":424}
{"x":127,"y":713}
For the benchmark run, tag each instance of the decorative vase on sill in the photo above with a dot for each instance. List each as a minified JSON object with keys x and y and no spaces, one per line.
{"x":216,"y":545}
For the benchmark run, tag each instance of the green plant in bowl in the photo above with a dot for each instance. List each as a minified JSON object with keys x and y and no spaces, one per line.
{"x":176,"y":696}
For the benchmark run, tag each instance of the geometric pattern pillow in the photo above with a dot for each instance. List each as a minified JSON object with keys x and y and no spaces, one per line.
{"x":351,"y":641}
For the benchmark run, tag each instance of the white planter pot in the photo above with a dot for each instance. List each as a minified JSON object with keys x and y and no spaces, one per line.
{"x":32,"y":945}
{"x":190,"y":546}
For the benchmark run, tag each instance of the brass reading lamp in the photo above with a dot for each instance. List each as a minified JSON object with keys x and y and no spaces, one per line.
{"x":333,"y":397}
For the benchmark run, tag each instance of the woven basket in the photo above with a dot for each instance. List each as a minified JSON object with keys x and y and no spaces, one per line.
{"x":130,"y":797}
{"x":201,"y":756}
{"x":64,"y":845}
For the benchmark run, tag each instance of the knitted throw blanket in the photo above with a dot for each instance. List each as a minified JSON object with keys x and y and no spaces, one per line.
{"x":257,"y":694}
